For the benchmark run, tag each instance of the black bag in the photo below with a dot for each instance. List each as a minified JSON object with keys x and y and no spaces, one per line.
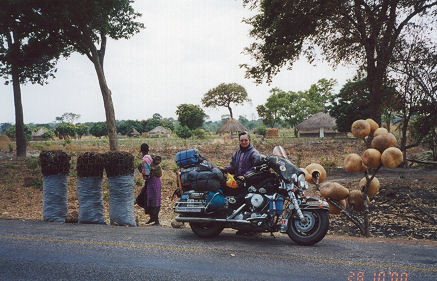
{"x":202,"y":177}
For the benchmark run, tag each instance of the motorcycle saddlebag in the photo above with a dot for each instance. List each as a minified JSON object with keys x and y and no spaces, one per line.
{"x":215,"y":201}
{"x":187,"y":158}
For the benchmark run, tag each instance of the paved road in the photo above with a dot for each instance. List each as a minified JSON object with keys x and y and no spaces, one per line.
{"x":35,"y":250}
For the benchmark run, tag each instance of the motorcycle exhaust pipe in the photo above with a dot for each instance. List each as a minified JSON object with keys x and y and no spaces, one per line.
{"x":196,"y":219}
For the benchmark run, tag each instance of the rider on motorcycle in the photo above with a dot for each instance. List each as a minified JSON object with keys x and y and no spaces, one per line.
{"x":241,"y":164}
{"x":243,"y":160}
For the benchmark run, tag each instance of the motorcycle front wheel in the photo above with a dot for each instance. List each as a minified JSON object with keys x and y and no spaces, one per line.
{"x":206,"y":230}
{"x":310,"y":231}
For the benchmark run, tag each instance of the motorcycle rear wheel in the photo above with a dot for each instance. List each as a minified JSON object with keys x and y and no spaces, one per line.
{"x":206,"y":230}
{"x":312,"y":230}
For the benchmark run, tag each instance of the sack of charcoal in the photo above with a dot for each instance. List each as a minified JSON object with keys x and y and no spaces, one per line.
{"x":89,"y":188}
{"x":55,"y":167}
{"x":119,"y":167}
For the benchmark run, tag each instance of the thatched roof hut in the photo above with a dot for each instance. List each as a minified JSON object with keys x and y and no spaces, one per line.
{"x":231,"y":126}
{"x":160,"y":132}
{"x":38,"y":134}
{"x":318,"y":125}
{"x":133,"y":133}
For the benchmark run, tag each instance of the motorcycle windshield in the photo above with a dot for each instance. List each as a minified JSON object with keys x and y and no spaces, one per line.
{"x":283,"y":167}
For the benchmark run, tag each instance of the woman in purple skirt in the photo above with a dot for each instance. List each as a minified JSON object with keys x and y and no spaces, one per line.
{"x":153,"y":191}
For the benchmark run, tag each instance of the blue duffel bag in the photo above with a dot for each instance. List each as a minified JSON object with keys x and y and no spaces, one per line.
{"x":187,"y":158}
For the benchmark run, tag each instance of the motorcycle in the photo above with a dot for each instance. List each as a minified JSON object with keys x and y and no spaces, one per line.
{"x":270,"y":200}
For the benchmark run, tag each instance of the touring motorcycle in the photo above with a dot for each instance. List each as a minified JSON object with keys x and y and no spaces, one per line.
{"x":271,"y":199}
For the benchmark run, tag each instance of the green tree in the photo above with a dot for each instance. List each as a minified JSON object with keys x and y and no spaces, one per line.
{"x":190,"y":115}
{"x":225,"y":94}
{"x":304,"y":104}
{"x":353,"y":102}
{"x":414,"y":75}
{"x":183,"y":132}
{"x":27,"y":54}
{"x":168,"y":123}
{"x":150,"y":124}
{"x":157,"y":116}
{"x":50,"y":134}
{"x":11,"y":132}
{"x":85,"y":25}
{"x":4,"y":127}
{"x":99,"y":129}
{"x":68,"y":117}
{"x":81,"y":130}
{"x":355,"y":31}
{"x":271,"y":111}
{"x":65,"y":130}
{"x":291,"y":108}
{"x":123,"y":127}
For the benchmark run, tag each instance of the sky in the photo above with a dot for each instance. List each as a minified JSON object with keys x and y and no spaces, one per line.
{"x":187,"y":48}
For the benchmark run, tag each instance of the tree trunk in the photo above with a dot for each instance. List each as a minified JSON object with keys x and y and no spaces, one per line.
{"x":388,"y":121}
{"x":405,"y":121}
{"x":107,"y":101}
{"x":375,"y":85}
{"x":230,"y":111}
{"x":20,"y":137}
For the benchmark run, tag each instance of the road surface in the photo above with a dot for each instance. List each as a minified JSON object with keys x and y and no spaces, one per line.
{"x":36,"y":250}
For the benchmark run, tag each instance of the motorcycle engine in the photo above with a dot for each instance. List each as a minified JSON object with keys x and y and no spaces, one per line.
{"x":258,"y":201}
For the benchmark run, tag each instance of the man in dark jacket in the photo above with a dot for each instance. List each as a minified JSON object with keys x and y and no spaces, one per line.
{"x":243,"y":160}
{"x":242,"y":164}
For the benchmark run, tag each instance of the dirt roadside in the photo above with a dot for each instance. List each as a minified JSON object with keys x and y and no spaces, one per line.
{"x":405,"y":208}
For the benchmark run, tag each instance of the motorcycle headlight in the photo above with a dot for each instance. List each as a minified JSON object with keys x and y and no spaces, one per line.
{"x":301,"y":182}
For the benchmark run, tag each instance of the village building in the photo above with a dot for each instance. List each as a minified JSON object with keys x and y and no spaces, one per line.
{"x":159,"y":132}
{"x":318,"y":125}
{"x":231,"y":126}
{"x":38,"y":135}
{"x":133,"y":133}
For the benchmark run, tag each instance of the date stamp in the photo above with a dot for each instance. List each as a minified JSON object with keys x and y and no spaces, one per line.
{"x":377,"y":276}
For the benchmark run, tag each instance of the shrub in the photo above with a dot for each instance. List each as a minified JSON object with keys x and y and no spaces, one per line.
{"x":199,"y":133}
{"x":183,"y":132}
{"x":65,"y":130}
{"x":27,"y":132}
{"x":261,"y":131}
{"x":99,"y":129}
{"x":48,"y":135}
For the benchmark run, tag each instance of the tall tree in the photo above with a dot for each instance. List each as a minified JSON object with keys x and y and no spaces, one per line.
{"x":353,"y":102}
{"x":360,"y":31}
{"x":190,"y":115}
{"x":68,"y":117}
{"x":27,"y":54}
{"x":271,"y":111}
{"x":225,"y":94}
{"x":85,"y":25}
{"x":291,"y":108}
{"x":414,"y":74}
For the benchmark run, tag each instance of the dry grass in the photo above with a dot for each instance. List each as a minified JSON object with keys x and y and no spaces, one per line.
{"x":4,"y":142}
{"x":21,"y":180}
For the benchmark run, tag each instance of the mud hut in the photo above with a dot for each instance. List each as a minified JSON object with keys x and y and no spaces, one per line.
{"x":133,"y":133}
{"x":318,"y":125}
{"x":159,"y":132}
{"x":231,"y":126}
